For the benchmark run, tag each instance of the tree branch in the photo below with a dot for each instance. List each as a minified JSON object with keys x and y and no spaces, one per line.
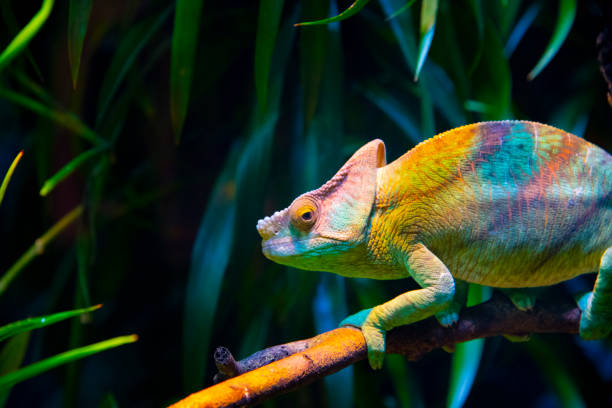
{"x":282,"y":368}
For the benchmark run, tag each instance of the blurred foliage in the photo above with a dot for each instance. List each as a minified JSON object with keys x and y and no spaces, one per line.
{"x":98,"y":94}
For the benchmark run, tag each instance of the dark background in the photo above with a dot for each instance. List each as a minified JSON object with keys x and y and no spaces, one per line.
{"x":160,"y":270}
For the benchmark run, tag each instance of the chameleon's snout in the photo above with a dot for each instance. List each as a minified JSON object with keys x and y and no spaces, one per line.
{"x":270,"y":226}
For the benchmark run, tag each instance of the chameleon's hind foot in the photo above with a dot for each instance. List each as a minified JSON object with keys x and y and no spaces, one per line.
{"x":518,"y":338}
{"x":523,"y":299}
{"x":448,"y":317}
{"x":596,"y":319}
{"x":591,"y":328}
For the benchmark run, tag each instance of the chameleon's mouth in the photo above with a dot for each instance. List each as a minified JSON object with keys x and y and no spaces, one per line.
{"x":284,"y":248}
{"x":268,"y":227}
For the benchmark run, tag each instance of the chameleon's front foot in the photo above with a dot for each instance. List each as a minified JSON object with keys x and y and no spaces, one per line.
{"x":375,"y":340}
{"x":374,"y":336}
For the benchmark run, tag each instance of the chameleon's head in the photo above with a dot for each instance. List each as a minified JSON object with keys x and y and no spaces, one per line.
{"x":327,"y":221}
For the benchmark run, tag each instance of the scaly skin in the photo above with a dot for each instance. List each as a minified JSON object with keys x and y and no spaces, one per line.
{"x":508,"y":204}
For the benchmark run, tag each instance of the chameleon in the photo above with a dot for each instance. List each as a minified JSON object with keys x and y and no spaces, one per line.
{"x":509,"y":204}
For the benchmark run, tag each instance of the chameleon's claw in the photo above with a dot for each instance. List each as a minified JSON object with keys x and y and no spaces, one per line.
{"x":447,"y":318}
{"x":356,"y":319}
{"x":375,"y":340}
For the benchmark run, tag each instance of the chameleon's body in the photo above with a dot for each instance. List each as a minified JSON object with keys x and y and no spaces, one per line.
{"x":506,"y":204}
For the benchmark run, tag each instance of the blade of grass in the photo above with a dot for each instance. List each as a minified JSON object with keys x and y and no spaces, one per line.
{"x":491,"y":80}
{"x":521,"y":28}
{"x":38,"y":247}
{"x":131,"y":45}
{"x":351,"y":11}
{"x":313,"y":53}
{"x":32,"y":323}
{"x":13,"y":28}
{"x":78,"y":19}
{"x":400,"y":10}
{"x":245,"y":165}
{"x":182,"y":60}
{"x":429,"y":10}
{"x":267,"y":27}
{"x":26,"y":34}
{"x":11,"y":357}
{"x":64,"y":118}
{"x":396,"y":111}
{"x":69,"y":168}
{"x":466,"y":357}
{"x":555,"y":373}
{"x":8,"y":175}
{"x":39,"y":367}
{"x":567,"y":14}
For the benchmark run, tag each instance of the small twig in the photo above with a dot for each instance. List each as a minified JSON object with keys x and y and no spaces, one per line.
{"x":329,"y":352}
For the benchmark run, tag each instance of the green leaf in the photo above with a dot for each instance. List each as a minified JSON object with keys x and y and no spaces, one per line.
{"x":8,"y":175}
{"x":521,"y":28}
{"x":131,"y":45}
{"x":491,"y":79}
{"x":267,"y":26}
{"x":396,"y":111}
{"x":567,"y":13}
{"x":313,"y":53}
{"x":69,"y":168}
{"x":466,"y":357}
{"x":182,"y":60}
{"x":400,"y":10}
{"x":22,"y":39}
{"x":245,"y":165}
{"x":12,"y":26}
{"x":429,"y":10}
{"x":351,"y":11}
{"x":39,"y":367}
{"x":32,"y":323}
{"x":38,"y":247}
{"x":11,"y":357}
{"x":555,"y":372}
{"x":78,"y":18}
{"x":64,"y":118}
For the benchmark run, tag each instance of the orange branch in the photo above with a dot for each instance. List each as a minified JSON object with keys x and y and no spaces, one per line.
{"x":298,"y":363}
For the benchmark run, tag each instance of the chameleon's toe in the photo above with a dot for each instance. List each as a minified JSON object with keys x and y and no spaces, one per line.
{"x":518,"y":338}
{"x":447,"y":318}
{"x":523,"y":302}
{"x":591,"y":329}
{"x":583,"y":300}
{"x":375,"y":340}
{"x":356,"y":319}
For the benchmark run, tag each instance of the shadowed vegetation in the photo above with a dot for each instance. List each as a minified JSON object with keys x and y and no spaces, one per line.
{"x":156,"y":134}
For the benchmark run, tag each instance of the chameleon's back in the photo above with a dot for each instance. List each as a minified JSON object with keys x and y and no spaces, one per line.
{"x":507,"y":204}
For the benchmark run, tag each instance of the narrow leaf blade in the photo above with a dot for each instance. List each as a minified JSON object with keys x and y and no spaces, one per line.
{"x":466,"y":357}
{"x":39,"y":367}
{"x":8,"y":175}
{"x":69,"y":168}
{"x":32,"y":323}
{"x":351,"y":11}
{"x":267,"y":28}
{"x":11,"y":357}
{"x":131,"y":46}
{"x":429,"y":10}
{"x":78,"y":18}
{"x":22,"y":39}
{"x":64,"y":118}
{"x":182,"y":60}
{"x":565,"y":20}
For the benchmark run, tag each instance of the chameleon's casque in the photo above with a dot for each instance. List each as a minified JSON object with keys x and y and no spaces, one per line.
{"x":509,"y":204}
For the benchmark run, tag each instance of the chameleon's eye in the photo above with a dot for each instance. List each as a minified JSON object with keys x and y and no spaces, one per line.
{"x":304,"y":213}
